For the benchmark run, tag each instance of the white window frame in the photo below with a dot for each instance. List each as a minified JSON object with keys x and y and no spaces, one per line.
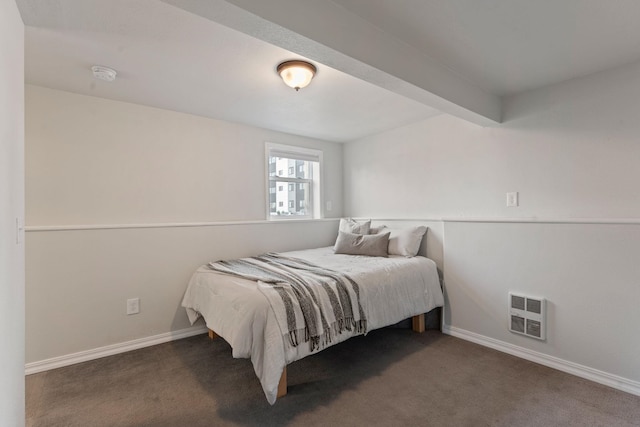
{"x":315,"y":184}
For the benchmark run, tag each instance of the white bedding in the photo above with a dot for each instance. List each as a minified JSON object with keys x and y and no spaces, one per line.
{"x":391,"y":289}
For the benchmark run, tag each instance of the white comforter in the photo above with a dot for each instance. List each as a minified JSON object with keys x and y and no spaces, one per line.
{"x":391,"y":289}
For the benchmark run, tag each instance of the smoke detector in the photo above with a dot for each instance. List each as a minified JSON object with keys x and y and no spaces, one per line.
{"x":104,"y":73}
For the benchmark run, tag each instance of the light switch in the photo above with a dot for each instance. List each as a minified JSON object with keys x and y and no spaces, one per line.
{"x":512,"y":199}
{"x":19,"y":231}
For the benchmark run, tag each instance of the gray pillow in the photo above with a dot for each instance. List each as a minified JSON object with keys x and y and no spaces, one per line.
{"x":377,"y":230}
{"x":362,"y":244}
{"x":350,"y":225}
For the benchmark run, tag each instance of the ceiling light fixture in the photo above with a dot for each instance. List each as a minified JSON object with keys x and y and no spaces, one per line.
{"x":296,"y":74}
{"x":104,"y":73}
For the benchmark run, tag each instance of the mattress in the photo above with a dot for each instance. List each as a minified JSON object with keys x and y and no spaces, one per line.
{"x":391,"y":289}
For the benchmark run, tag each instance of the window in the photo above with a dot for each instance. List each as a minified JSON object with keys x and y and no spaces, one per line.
{"x":303,"y":166}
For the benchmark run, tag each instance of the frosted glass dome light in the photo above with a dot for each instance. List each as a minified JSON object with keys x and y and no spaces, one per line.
{"x":296,"y":74}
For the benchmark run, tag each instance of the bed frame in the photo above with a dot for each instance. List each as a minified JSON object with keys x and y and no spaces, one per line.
{"x":418,"y":325}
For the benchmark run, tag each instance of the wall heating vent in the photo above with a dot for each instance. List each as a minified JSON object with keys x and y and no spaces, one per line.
{"x":527,"y":316}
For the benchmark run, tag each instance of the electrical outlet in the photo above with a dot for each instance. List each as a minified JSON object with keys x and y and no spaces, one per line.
{"x":329,"y":206}
{"x":512,"y":199}
{"x":133,"y":306}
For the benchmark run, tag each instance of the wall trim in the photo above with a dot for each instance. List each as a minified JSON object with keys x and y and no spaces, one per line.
{"x":612,"y":221}
{"x":110,"y":350}
{"x":606,"y":221}
{"x":576,"y":369}
{"x":37,"y":228}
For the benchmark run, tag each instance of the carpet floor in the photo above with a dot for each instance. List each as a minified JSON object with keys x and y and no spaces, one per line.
{"x":391,"y":377}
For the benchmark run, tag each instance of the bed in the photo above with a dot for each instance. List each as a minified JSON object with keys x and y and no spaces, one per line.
{"x":236,"y":308}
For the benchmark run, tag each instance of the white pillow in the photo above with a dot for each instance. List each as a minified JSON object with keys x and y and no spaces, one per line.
{"x":406,"y":242}
{"x":349,"y":225}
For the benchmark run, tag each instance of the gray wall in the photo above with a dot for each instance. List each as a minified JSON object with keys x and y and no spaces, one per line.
{"x":572,"y":152}
{"x":11,"y":209}
{"x":127,"y":201}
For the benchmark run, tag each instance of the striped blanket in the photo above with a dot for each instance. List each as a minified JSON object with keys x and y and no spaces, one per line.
{"x":311,"y":303}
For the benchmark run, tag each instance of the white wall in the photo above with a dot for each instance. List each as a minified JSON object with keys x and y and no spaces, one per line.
{"x":93,"y":165}
{"x":572,"y":152}
{"x":11,"y":208}
{"x":96,"y":161}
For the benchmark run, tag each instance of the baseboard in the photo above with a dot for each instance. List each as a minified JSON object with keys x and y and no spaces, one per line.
{"x":109,"y":350}
{"x":582,"y":371}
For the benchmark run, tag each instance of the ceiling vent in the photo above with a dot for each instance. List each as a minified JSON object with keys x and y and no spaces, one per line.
{"x":527,"y":316}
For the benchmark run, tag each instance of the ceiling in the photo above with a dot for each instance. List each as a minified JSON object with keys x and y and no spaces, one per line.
{"x":510,"y":46}
{"x":381,"y":63}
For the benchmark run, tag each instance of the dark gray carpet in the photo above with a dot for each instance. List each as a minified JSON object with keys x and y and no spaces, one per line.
{"x":391,"y":377}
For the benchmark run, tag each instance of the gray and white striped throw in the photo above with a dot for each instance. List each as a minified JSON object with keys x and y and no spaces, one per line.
{"x":311,"y":303}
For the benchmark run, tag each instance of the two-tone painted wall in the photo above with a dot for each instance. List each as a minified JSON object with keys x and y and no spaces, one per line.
{"x":572,"y":152}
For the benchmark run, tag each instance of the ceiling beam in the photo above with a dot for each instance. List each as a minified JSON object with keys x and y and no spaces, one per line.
{"x":328,"y":33}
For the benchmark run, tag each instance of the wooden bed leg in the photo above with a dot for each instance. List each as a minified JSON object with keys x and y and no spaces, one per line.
{"x":212,"y":335}
{"x":282,"y":385}
{"x":418,"y":324}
